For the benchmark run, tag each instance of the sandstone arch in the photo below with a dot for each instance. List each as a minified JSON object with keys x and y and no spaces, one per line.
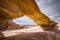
{"x":11,"y":9}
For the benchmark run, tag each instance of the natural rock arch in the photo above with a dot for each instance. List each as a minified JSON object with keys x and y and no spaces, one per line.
{"x":11,"y":9}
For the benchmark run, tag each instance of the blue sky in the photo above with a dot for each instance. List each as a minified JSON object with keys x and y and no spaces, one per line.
{"x":51,"y":8}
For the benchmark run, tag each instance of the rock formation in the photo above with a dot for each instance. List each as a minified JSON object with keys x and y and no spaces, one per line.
{"x":9,"y":25}
{"x":11,"y":9}
{"x":47,"y":35}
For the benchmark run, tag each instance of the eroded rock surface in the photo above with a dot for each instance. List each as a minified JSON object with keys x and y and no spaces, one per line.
{"x":11,"y":9}
{"x":47,"y":35}
{"x":9,"y":25}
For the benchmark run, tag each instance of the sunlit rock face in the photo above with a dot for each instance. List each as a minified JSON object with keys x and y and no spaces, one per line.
{"x":11,"y":9}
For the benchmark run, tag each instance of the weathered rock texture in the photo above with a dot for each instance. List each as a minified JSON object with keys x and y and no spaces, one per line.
{"x":48,"y":35}
{"x":9,"y":25}
{"x":11,"y":9}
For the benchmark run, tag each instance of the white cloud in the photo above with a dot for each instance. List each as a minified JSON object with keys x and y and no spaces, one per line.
{"x":24,"y":21}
